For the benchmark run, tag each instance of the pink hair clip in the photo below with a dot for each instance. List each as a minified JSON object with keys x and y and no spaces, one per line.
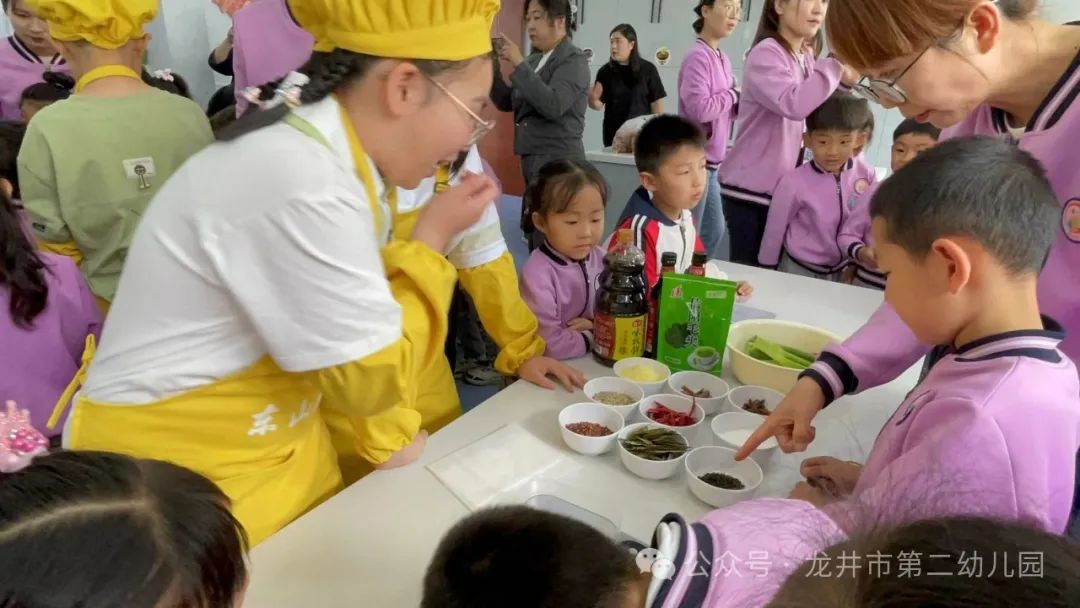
{"x":20,"y":442}
{"x":164,"y":74}
{"x":231,"y":7}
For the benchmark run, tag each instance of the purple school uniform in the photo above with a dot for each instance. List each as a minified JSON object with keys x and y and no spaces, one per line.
{"x":740,"y":555}
{"x":778,"y":94}
{"x":992,"y":430}
{"x":37,"y":364}
{"x":20,"y":68}
{"x":267,"y":45}
{"x":882,"y":349}
{"x":559,"y":289}
{"x":808,"y":209}
{"x":855,"y":234}
{"x":707,"y":95}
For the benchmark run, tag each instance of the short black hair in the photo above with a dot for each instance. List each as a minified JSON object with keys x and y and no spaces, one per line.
{"x":661,"y":137}
{"x":556,"y":9}
{"x":910,"y":126}
{"x":99,"y":530}
{"x":841,"y":112}
{"x":11,"y":138}
{"x":981,"y":187}
{"x":526,"y":558}
{"x":54,"y":87}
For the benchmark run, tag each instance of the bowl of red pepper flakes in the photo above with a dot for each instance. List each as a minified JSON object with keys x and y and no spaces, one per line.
{"x":680,"y":414}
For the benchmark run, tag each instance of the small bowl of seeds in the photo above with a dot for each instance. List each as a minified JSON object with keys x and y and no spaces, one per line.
{"x":651,"y":451}
{"x":753,"y":399}
{"x":715,"y":478}
{"x":619,"y":394}
{"x":589,"y":428}
{"x":706,"y":390}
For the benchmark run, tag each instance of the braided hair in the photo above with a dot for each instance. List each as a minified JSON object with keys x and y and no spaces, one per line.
{"x":327,"y":73}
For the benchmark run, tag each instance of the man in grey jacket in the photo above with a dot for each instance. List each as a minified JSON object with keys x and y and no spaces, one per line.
{"x":548,"y":91}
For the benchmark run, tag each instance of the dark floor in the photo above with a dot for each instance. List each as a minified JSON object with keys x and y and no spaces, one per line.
{"x":510,"y":214}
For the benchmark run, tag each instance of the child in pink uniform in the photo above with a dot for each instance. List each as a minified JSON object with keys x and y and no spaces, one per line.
{"x":993,"y":428}
{"x":267,"y":45}
{"x":559,"y":279}
{"x":909,"y":140}
{"x":782,"y":84}
{"x":46,"y":313}
{"x":25,"y":57}
{"x":812,"y":202}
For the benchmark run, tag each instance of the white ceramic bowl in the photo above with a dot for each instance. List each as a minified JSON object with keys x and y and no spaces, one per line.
{"x":616,"y":385}
{"x":749,"y":370}
{"x":679,"y":404}
{"x":721,"y":460}
{"x":590,"y":412}
{"x":741,"y":394}
{"x":697,"y":381}
{"x":647,"y":469}
{"x":650,"y":388}
{"x":732,"y":429}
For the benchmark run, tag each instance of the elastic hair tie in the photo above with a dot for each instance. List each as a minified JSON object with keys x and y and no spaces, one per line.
{"x":288,"y":92}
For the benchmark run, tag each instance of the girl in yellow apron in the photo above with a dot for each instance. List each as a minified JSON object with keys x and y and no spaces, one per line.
{"x":487,"y":273}
{"x":248,"y":301}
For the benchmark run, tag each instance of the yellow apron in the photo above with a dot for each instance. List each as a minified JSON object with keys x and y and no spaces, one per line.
{"x":257,"y":434}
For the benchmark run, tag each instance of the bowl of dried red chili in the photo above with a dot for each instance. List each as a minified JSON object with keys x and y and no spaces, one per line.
{"x":590,"y":428}
{"x":680,"y":414}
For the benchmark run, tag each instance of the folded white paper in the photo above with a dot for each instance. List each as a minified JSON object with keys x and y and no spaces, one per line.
{"x":481,"y":471}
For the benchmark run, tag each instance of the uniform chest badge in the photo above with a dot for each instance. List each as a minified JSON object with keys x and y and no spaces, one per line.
{"x":862,"y":185}
{"x":1070,"y":220}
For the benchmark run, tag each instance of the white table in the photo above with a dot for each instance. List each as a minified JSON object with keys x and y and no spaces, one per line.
{"x":370,"y":544}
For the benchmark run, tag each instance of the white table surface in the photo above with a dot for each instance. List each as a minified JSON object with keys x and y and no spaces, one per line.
{"x":370,"y":544}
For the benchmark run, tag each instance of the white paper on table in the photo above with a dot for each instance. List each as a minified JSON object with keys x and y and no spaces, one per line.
{"x":479,"y":472}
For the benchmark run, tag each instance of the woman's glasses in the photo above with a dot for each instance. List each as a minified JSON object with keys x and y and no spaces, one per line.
{"x":481,"y":127}
{"x":879,"y":91}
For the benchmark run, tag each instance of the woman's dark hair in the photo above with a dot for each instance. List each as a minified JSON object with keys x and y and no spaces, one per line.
{"x":55,"y":86}
{"x":21,"y":269}
{"x":11,"y":138}
{"x":699,"y":23}
{"x":559,"y":182}
{"x":556,"y":9}
{"x":99,"y":530}
{"x":970,"y":549}
{"x":769,"y":27}
{"x":627,"y":31}
{"x":327,"y":72}
{"x":176,"y":86}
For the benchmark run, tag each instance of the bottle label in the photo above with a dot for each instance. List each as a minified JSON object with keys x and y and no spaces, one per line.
{"x":618,"y":338}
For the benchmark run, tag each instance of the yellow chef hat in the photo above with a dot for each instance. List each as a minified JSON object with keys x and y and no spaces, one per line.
{"x":108,"y":24}
{"x":448,"y":30}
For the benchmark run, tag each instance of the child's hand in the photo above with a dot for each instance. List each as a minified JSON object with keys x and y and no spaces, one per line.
{"x":837,"y":477}
{"x":867,"y":256}
{"x":539,"y":370}
{"x":812,"y":495}
{"x":454,"y":210}
{"x":743,"y":291}
{"x":406,"y":455}
{"x":579,"y":324}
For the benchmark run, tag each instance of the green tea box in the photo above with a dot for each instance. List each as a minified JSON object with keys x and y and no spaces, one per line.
{"x":695,"y":315}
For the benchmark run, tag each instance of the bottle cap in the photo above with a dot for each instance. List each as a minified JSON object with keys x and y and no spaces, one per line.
{"x":626,"y":236}
{"x":669,"y":258}
{"x":699,"y":258}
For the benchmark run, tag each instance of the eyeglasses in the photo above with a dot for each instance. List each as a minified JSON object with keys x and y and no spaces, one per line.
{"x":481,"y":127}
{"x":888,"y":90}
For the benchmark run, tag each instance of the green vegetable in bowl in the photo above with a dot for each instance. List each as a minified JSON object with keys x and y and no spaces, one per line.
{"x":778,"y":354}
